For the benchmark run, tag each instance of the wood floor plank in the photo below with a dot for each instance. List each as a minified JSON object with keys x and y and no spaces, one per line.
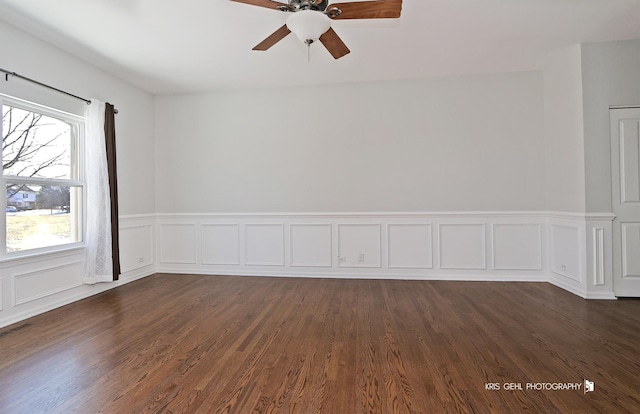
{"x":219,"y":344}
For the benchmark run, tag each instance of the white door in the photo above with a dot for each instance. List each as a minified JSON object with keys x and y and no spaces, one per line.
{"x":625,"y":173}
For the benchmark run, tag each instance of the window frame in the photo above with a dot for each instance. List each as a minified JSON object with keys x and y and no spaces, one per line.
{"x":78,"y":123}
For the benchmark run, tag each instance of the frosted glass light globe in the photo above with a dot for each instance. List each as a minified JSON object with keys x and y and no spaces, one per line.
{"x":308,"y":25}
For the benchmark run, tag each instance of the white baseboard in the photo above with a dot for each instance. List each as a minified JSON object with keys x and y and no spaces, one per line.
{"x":79,"y":293}
{"x":362,"y":275}
{"x":569,"y":287}
{"x":601,"y":296}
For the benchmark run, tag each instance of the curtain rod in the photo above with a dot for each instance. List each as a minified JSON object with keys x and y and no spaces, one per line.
{"x":16,"y":75}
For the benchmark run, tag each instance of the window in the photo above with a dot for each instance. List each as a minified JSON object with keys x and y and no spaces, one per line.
{"x":42,"y":175}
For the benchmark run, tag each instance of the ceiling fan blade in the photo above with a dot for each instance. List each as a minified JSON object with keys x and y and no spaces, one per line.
{"x":273,"y":38}
{"x":377,"y":9}
{"x":269,"y":4}
{"x":334,"y":44}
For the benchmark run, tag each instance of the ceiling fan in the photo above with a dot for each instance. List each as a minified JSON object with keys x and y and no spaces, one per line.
{"x":311,"y":20}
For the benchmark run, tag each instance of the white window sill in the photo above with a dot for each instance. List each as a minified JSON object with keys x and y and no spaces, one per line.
{"x":37,"y":255}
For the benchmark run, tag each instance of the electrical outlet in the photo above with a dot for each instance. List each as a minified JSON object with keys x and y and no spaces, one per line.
{"x":341,"y":259}
{"x":140,"y":259}
{"x":361,"y":258}
{"x":563,"y":266}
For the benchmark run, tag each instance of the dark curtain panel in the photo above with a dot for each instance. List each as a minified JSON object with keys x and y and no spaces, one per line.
{"x":110,"y":137}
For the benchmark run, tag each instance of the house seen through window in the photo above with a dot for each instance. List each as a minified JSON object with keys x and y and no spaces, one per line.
{"x":42,"y":175}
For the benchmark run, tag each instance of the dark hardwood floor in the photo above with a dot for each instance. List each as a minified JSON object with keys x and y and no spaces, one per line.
{"x":217,"y":344}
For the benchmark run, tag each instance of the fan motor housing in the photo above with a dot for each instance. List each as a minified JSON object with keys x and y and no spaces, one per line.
{"x":318,"y":5}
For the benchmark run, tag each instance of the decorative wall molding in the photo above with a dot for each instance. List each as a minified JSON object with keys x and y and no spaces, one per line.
{"x":370,"y":215}
{"x":35,"y":283}
{"x":423,"y":246}
{"x":493,"y":245}
{"x":483,"y":246}
{"x":178,"y":243}
{"x":600,"y":216}
{"x":137,"y":246}
{"x":220,"y":244}
{"x":598,"y":256}
{"x":311,"y":245}
{"x":517,"y":246}
{"x":40,"y":283}
{"x":566,"y":251}
{"x":359,"y":245}
{"x":462,"y":246}
{"x":27,"y":310}
{"x":367,"y":273}
{"x":138,"y":242}
{"x":567,"y":215}
{"x":264,"y":244}
{"x":410,"y":245}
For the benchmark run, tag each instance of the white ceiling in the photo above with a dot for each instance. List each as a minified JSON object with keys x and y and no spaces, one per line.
{"x":205,"y":45}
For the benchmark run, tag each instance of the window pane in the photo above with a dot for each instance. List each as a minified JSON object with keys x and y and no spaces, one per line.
{"x":49,"y":217}
{"x":36,"y":145}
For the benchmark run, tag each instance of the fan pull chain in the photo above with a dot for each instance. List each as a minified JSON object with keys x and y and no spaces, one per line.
{"x":308,"y":52}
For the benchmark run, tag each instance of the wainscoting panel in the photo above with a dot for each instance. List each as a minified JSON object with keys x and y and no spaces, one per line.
{"x":488,"y":246}
{"x":435,"y":246}
{"x":410,"y":246}
{"x":221,"y":244}
{"x":359,"y":245}
{"x":41,"y":283}
{"x":561,"y":248}
{"x":264,"y":244}
{"x":36,"y":283}
{"x":178,"y":243}
{"x":517,"y":246}
{"x":310,"y":245}
{"x":598,"y":260}
{"x":462,"y":246}
{"x":599,"y":257}
{"x":136,"y":246}
{"x":566,"y":251}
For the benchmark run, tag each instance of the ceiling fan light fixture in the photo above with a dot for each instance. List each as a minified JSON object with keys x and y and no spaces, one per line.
{"x":308,"y":25}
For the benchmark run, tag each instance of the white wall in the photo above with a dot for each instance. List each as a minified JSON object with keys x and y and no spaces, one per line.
{"x":563,"y":131}
{"x":28,"y":56}
{"x":449,"y":144}
{"x":449,"y":178}
{"x":610,"y":76}
{"x":35,"y":284}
